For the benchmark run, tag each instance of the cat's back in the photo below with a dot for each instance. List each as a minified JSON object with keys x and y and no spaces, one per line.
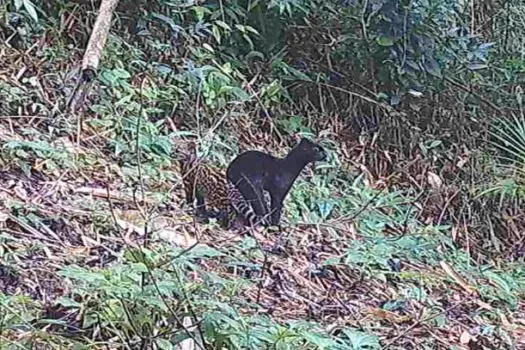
{"x":250,"y":162}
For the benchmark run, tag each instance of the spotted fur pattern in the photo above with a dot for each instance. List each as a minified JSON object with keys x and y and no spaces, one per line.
{"x":203,"y":182}
{"x":215,"y":196}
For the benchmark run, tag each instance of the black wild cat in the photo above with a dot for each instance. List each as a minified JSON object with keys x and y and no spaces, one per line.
{"x":254,"y":172}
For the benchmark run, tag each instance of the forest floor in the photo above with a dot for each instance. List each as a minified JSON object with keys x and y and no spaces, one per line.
{"x":59,"y":209}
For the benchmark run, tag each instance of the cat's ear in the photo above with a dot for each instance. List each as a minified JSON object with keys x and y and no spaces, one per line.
{"x":185,"y":148}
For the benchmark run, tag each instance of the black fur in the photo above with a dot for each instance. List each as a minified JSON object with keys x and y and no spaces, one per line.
{"x":255,"y":172}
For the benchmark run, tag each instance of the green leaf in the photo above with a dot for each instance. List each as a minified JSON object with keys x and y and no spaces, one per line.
{"x":251,"y":29}
{"x":499,"y":281}
{"x":68,"y":302}
{"x":164,"y":344}
{"x":18,"y":4}
{"x":477,"y":66}
{"x":247,"y":38}
{"x":30,"y":8}
{"x":241,"y":94}
{"x":165,"y":19}
{"x":223,"y":25}
{"x":298,"y":74}
{"x":216,"y":33}
{"x":254,"y":54}
{"x":208,"y":47}
{"x":361,"y":340}
{"x":240,"y":28}
{"x":384,"y":41}
{"x":199,"y":12}
{"x":253,"y":4}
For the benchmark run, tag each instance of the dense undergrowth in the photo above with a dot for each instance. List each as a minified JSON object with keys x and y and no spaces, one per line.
{"x":410,"y":235}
